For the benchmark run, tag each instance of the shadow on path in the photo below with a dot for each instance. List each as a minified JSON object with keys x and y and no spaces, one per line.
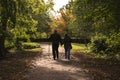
{"x":80,"y":67}
{"x":45,"y":68}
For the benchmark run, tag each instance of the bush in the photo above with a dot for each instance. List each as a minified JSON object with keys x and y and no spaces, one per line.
{"x":99,"y":46}
{"x":106,"y":46}
{"x":114,"y":45}
{"x":9,"y":44}
{"x":30,"y":45}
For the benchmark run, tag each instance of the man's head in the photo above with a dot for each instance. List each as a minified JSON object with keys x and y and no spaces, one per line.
{"x":66,"y":35}
{"x":55,"y":31}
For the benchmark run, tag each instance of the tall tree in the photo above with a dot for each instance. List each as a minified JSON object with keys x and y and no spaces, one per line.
{"x":99,"y":18}
{"x":16,"y":18}
{"x":7,"y":12}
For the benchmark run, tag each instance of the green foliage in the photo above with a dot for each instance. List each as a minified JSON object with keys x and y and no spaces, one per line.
{"x":101,"y":17}
{"x":114,"y":44}
{"x":99,"y":46}
{"x":40,"y":13}
{"x":107,"y":46}
{"x":9,"y":44}
{"x":20,"y":45}
{"x":21,"y":20}
{"x":97,"y":16}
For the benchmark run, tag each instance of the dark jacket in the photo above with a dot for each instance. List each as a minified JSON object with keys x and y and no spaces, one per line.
{"x":55,"y":38}
{"x":67,"y":42}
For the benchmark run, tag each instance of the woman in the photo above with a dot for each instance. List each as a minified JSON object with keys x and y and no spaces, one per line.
{"x":67,"y":46}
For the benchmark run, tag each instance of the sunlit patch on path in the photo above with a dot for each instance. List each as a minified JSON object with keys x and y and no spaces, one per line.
{"x":45,"y":68}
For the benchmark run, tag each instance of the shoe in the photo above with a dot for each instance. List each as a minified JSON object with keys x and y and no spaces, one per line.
{"x":54,"y":58}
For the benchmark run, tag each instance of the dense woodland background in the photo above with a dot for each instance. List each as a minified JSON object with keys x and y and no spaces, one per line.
{"x":96,"y":20}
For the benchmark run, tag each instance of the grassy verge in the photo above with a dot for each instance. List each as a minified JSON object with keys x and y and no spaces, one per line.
{"x":80,"y":47}
{"x":98,"y":66}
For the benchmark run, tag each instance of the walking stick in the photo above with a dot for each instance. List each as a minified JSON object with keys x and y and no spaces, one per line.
{"x":49,"y":50}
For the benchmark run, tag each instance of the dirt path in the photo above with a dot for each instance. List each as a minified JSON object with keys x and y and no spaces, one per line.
{"x":45,"y":68}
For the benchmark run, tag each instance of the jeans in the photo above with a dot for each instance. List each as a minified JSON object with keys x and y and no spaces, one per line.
{"x":67,"y":52}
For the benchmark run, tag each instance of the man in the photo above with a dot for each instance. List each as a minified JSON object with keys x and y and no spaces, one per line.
{"x":55,"y":39}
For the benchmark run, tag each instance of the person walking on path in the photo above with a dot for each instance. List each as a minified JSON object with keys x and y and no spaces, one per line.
{"x":67,"y":46}
{"x":55,"y":38}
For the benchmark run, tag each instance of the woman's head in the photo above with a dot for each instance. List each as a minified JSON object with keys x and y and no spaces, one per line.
{"x":66,"y":35}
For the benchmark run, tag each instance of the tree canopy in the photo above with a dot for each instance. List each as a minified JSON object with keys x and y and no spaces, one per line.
{"x":96,"y":20}
{"x":22,"y":19}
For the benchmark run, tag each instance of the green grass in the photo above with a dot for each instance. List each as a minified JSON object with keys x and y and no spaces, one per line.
{"x":84,"y":49}
{"x":79,"y":47}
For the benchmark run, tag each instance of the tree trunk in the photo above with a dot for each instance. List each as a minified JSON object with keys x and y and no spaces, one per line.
{"x":2,"y":37}
{"x":2,"y":46}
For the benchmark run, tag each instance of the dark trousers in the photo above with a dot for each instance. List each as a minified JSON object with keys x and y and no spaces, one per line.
{"x":67,"y":52}
{"x":55,"y":51}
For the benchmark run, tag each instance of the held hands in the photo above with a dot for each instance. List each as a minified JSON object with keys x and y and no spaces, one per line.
{"x":61,"y":44}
